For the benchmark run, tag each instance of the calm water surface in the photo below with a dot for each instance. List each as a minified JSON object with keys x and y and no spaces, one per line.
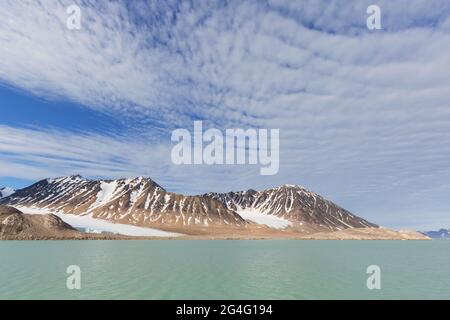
{"x":225,"y":269}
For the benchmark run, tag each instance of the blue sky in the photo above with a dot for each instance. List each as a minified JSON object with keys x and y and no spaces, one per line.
{"x":363,"y":115}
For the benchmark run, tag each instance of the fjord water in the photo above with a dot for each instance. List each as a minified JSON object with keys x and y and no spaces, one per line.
{"x":225,"y":269}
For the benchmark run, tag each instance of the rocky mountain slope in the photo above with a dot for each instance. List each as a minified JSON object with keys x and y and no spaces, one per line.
{"x":138,"y":201}
{"x":142,"y":202}
{"x":16,"y":225}
{"x":306,"y":210}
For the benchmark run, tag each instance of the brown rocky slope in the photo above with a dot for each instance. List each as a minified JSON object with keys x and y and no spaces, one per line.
{"x":15,"y":225}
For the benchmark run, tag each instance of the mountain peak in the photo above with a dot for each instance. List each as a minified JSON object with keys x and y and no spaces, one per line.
{"x":78,"y":178}
{"x":289,"y":188}
{"x":292,"y":186}
{"x":142,"y":201}
{"x":441,"y":233}
{"x":296,"y":204}
{"x":139,"y":201}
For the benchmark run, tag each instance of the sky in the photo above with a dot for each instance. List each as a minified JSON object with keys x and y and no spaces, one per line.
{"x":364,"y":115}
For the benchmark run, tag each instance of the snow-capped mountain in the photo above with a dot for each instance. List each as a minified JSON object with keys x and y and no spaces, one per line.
{"x":6,"y":192}
{"x":138,"y":201}
{"x":295,"y":204}
{"x":440,"y":234}
{"x":141,"y":201}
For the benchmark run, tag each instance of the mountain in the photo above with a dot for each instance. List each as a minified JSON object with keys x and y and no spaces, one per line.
{"x":441,"y":234}
{"x":141,"y":201}
{"x":16,"y":225}
{"x":138,"y":201}
{"x":6,"y":192}
{"x":305,"y":210}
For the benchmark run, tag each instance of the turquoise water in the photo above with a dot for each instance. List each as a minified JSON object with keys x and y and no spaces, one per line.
{"x":225,"y":269}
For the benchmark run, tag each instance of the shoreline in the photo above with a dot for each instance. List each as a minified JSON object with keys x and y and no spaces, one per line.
{"x":99,"y":237}
{"x":48,"y":225}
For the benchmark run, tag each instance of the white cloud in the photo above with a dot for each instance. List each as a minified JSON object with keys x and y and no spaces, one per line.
{"x":36,"y":153}
{"x":231,"y":64}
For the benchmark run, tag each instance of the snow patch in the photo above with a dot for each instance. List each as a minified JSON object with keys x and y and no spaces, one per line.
{"x":105,"y":194}
{"x":261,"y":218}
{"x":88,"y":223}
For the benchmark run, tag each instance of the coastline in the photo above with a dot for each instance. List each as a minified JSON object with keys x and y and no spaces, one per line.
{"x":376,"y":236}
{"x":32,"y":224}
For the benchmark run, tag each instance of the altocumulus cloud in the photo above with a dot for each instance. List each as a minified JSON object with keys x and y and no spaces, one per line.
{"x":34,"y":153}
{"x":364,"y":115}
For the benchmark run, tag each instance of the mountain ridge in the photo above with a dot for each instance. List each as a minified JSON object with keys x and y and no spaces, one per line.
{"x":296,"y":204}
{"x":141,"y":201}
{"x":439,"y":234}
